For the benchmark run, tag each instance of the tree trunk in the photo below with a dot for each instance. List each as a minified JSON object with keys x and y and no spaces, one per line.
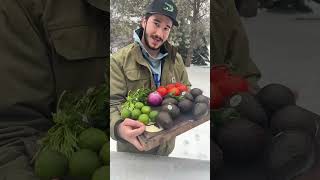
{"x":194,"y":32}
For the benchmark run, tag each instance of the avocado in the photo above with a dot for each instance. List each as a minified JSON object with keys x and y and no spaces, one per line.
{"x":172,"y":109}
{"x":200,"y":109}
{"x":275,"y":96}
{"x":164,"y":120}
{"x":294,"y":118}
{"x":185,"y":105}
{"x":169,"y":100}
{"x":196,"y":92}
{"x":247,"y":105}
{"x":241,"y":140}
{"x":201,"y":99}
{"x":188,"y":95}
{"x":289,"y":153}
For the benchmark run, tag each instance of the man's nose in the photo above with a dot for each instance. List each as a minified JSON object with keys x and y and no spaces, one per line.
{"x":159,"y":33}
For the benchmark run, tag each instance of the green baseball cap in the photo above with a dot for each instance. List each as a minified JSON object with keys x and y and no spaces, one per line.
{"x":164,"y":7}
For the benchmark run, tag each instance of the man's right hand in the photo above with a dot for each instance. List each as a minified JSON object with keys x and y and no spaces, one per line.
{"x":129,"y":130}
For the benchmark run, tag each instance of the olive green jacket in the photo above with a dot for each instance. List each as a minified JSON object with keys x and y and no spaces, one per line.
{"x":46,"y":46}
{"x":130,"y":71}
{"x":229,"y":40}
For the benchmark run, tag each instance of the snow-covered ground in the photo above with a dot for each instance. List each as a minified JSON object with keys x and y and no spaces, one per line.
{"x":195,"y":143}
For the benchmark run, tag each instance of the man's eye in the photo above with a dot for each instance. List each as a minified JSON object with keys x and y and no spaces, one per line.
{"x":157,"y":24}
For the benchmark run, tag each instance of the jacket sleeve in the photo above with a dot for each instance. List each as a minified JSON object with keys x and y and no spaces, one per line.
{"x":182,"y":69}
{"x":118,"y":91}
{"x":230,"y":41}
{"x":240,"y":59}
{"x":238,"y":55}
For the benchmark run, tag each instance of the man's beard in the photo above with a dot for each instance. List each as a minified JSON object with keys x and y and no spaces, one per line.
{"x":146,"y":38}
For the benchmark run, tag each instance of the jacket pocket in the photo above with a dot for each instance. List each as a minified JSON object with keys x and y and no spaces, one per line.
{"x":79,"y":57}
{"x":78,"y":43}
{"x":137,"y":79}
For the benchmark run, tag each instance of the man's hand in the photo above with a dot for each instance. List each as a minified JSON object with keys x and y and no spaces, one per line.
{"x":129,"y":130}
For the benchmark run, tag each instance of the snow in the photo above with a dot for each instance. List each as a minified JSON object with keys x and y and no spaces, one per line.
{"x":195,"y":143}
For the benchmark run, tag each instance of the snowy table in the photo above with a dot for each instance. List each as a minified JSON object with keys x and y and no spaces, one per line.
{"x":124,"y":166}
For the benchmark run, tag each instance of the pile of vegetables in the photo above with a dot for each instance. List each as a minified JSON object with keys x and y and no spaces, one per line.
{"x":246,"y":124}
{"x":77,"y":144}
{"x":158,"y":109}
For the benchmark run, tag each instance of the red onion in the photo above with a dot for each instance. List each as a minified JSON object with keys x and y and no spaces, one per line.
{"x":154,"y":99}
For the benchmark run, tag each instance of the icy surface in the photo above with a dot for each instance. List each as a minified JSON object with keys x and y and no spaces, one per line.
{"x":131,"y":166}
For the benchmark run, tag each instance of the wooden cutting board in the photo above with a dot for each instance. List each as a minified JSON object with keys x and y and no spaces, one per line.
{"x":181,"y":124}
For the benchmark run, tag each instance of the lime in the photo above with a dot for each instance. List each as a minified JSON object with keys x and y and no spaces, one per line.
{"x":104,"y":153}
{"x":135,"y":114}
{"x":144,"y":119}
{"x":92,"y":138}
{"x":83,"y":164}
{"x":51,"y":164}
{"x":153,"y":115}
{"x":146,"y":109}
{"x":125,"y":113}
{"x":138,"y":105}
{"x":102,"y":173}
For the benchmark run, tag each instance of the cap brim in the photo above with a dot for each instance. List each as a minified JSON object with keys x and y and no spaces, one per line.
{"x":174,"y":22}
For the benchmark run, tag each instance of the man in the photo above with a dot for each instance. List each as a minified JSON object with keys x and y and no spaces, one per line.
{"x":47,"y":46}
{"x":147,"y":63}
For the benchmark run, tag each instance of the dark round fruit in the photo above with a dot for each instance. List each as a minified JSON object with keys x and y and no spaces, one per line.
{"x":275,"y":96}
{"x":188,"y":95}
{"x":200,"y":109}
{"x":247,"y":105}
{"x":169,"y":100}
{"x":185,"y":105}
{"x":291,"y":153}
{"x":241,"y":140}
{"x":196,"y":92}
{"x":164,"y":120}
{"x":294,"y":118}
{"x":201,"y":99}
{"x":172,"y":109}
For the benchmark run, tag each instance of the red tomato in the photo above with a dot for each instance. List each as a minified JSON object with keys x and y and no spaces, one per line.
{"x":183,"y":88}
{"x":232,"y":85}
{"x":169,"y":86}
{"x":178,"y":84}
{"x":217,"y":99}
{"x":174,"y":91}
{"x":162,"y":91}
{"x":218,"y":73}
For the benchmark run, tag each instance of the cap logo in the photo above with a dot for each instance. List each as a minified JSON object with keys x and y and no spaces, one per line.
{"x":168,"y":7}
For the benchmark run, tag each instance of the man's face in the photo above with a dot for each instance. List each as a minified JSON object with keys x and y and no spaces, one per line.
{"x":156,"y":30}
